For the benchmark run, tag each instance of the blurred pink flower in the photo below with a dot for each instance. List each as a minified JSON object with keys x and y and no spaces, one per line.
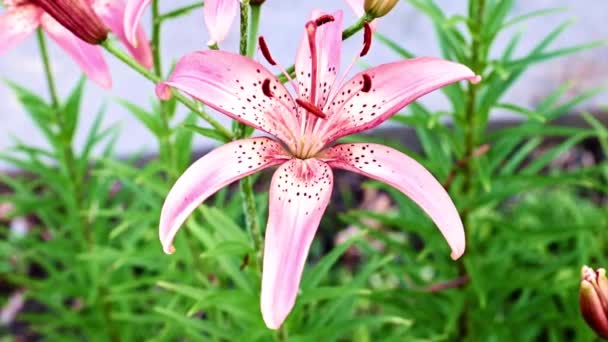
{"x":218,"y":14}
{"x":23,"y":17}
{"x":323,"y":111}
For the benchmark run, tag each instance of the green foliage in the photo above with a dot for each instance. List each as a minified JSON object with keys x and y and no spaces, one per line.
{"x":92,"y":268}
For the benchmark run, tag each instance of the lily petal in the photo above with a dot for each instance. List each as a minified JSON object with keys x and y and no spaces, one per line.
{"x":393,"y":86}
{"x":328,"y":40}
{"x":219,"y":16}
{"x":234,"y":85}
{"x":133,"y":13}
{"x":407,"y":175}
{"x":16,"y":24}
{"x":112,"y":13}
{"x":210,"y":173}
{"x":299,"y":193}
{"x":89,"y":57}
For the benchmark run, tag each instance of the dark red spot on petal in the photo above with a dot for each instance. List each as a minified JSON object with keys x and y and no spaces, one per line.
{"x":367,"y":83}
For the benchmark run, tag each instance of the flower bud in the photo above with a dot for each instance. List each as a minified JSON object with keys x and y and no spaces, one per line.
{"x":593,"y":299}
{"x":379,"y":8}
{"x":78,"y":17}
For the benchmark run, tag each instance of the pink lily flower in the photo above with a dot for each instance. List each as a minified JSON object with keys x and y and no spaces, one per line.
{"x":23,"y":17}
{"x":304,"y":130}
{"x":218,"y":14}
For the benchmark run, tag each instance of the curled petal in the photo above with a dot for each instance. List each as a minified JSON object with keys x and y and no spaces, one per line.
{"x":210,"y":173}
{"x":407,"y":175}
{"x":133,"y":13}
{"x":328,"y":41}
{"x":393,"y":86}
{"x":299,"y":193}
{"x":112,"y":13}
{"x":234,"y":85}
{"x":219,"y":15}
{"x":16,"y":24}
{"x":89,"y":57}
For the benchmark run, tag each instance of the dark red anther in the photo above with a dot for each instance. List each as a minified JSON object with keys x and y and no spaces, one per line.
{"x":266,"y":88}
{"x":312,"y":109}
{"x":324,"y":19}
{"x":367,"y":39}
{"x":265,"y":51}
{"x":367,"y":83}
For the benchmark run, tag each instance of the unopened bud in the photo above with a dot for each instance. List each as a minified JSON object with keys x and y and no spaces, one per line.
{"x":78,"y":17}
{"x":593,"y":299}
{"x":379,"y":8}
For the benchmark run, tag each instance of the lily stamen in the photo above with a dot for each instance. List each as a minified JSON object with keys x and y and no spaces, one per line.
{"x":311,"y":108}
{"x":266,"y":53}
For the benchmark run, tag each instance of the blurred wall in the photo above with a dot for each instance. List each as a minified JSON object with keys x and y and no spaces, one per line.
{"x":282,"y":23}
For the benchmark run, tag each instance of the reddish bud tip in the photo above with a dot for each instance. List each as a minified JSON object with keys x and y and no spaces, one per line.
{"x":593,"y":299}
{"x":78,"y":17}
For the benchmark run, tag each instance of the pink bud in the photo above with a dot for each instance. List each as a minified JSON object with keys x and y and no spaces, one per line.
{"x":593,"y":299}
{"x":78,"y":17}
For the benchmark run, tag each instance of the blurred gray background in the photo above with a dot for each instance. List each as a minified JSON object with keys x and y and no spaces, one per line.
{"x":282,"y":23}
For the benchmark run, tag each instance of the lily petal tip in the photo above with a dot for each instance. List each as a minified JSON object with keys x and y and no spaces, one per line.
{"x":476,"y":79}
{"x":271,"y":320}
{"x":456,"y":253}
{"x":169,"y":249}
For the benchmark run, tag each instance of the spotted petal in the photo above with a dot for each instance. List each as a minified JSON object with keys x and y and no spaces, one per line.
{"x":328,"y":51}
{"x":233,"y":85}
{"x":112,"y":13}
{"x":299,"y":193}
{"x":133,"y":13}
{"x":16,"y":24}
{"x":89,"y":57}
{"x":210,"y":173}
{"x":393,"y":86}
{"x":219,"y":16}
{"x":407,"y":175}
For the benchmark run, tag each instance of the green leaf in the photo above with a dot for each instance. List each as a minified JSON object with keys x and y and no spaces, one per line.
{"x":71,"y":109}
{"x":206,"y":132}
{"x":149,"y":120}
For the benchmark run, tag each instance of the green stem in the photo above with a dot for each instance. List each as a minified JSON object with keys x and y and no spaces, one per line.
{"x":476,"y":15}
{"x":69,"y":160}
{"x":347,"y":33}
{"x":244,"y":25}
{"x":121,"y":55}
{"x":471,"y":104}
{"x":179,"y":12}
{"x":246,"y":185}
{"x":48,"y":73}
{"x":253,"y":29}
{"x":165,"y":139}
